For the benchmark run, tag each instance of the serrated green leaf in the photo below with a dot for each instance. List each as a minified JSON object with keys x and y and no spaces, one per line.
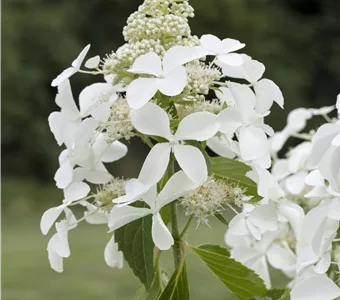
{"x":152,"y":294}
{"x":235,"y":172}
{"x":135,"y":241}
{"x":241,"y":281}
{"x":177,"y":287}
{"x":285,"y":296}
{"x":174,"y":123}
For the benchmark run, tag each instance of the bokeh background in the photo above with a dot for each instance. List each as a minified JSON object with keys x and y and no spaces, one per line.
{"x":297,"y":40}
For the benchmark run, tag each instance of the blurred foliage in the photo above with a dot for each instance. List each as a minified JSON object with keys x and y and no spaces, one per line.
{"x":297,"y":40}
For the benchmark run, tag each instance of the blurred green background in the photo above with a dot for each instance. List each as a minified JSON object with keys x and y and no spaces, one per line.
{"x":297,"y":40}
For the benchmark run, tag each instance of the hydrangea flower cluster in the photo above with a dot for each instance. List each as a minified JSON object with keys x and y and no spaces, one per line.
{"x":297,"y":232}
{"x":158,"y":87}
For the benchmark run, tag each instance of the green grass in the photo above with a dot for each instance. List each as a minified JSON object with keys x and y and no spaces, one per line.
{"x":26,"y":274}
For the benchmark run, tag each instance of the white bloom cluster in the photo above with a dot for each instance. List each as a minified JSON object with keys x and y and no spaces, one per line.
{"x":159,"y":88}
{"x":210,"y":198}
{"x":294,"y":228}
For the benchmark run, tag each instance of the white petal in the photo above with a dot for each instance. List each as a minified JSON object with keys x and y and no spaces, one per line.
{"x":266,"y":92}
{"x":101,"y":112}
{"x":174,"y":82}
{"x":211,"y":43}
{"x":334,"y":209}
{"x":95,"y":216}
{"x":336,"y":141}
{"x":280,"y":169}
{"x":323,"y":265}
{"x":230,"y":119}
{"x":244,"y":98}
{"x":253,"y":143}
{"x":76,"y":191}
{"x":63,"y":176}
{"x":225,"y":96}
{"x":93,"y":95}
{"x":280,"y":257}
{"x":48,"y":218}
{"x":120,"y":216}
{"x":134,"y":190}
{"x":114,"y":152}
{"x":151,"y":120}
{"x":297,"y":118}
{"x":318,"y":287}
{"x":56,"y":261}
{"x":317,"y":192}
{"x":84,"y":132}
{"x":314,"y":178}
{"x":178,"y":56}
{"x":294,"y":214}
{"x":149,"y":63}
{"x":295,"y":183}
{"x":65,"y":101}
{"x":155,"y":164}
{"x":231,"y":45}
{"x":93,"y":62}
{"x":265,"y":217}
{"x":66,"y":74}
{"x":254,"y":70}
{"x":255,"y":232}
{"x":192,"y":162}
{"x":150,"y":195}
{"x":113,"y":257}
{"x":232,"y":59}
{"x":220,"y":145}
{"x":238,"y":226}
{"x":160,"y":233}
{"x":57,"y":122}
{"x":140,"y":91}
{"x":177,"y":186}
{"x":337,"y":105}
{"x":79,"y":60}
{"x":198,"y":126}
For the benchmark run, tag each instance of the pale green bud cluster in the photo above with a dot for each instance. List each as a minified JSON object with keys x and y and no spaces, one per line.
{"x":208,"y":199}
{"x":156,"y":27}
{"x":159,"y":20}
{"x":200,"y":77}
{"x":184,"y":110}
{"x":112,"y":190}
{"x":119,"y":124}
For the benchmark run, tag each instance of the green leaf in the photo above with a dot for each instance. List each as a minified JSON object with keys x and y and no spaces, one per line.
{"x":235,"y":172}
{"x":241,"y":281}
{"x":174,"y":123}
{"x":135,"y":241}
{"x":177,"y":288}
{"x":285,"y":296}
{"x":152,"y":294}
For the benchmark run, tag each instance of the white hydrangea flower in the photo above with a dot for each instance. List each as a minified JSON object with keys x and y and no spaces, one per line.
{"x":247,"y":124}
{"x":152,"y":120}
{"x":76,"y":64}
{"x":178,"y":185}
{"x":212,"y":45}
{"x":113,"y":257}
{"x":169,"y":75}
{"x":266,"y":90}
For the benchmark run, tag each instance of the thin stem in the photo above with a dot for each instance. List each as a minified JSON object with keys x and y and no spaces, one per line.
{"x":184,"y":230}
{"x":159,"y":269}
{"x":177,"y":251}
{"x":327,"y":118}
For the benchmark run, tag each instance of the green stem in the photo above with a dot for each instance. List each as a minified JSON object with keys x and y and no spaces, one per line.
{"x":184,"y":230}
{"x":159,"y":269}
{"x":177,"y":248}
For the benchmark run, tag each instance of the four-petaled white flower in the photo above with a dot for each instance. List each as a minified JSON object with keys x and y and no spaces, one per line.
{"x":153,"y":120}
{"x":248,"y":125}
{"x":169,"y":75}
{"x":76,"y":64}
{"x":177,"y":186}
{"x":252,"y":70}
{"x":212,"y":45}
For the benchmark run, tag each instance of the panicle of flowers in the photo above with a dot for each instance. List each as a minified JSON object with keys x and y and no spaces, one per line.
{"x":181,"y":94}
{"x":211,"y":198}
